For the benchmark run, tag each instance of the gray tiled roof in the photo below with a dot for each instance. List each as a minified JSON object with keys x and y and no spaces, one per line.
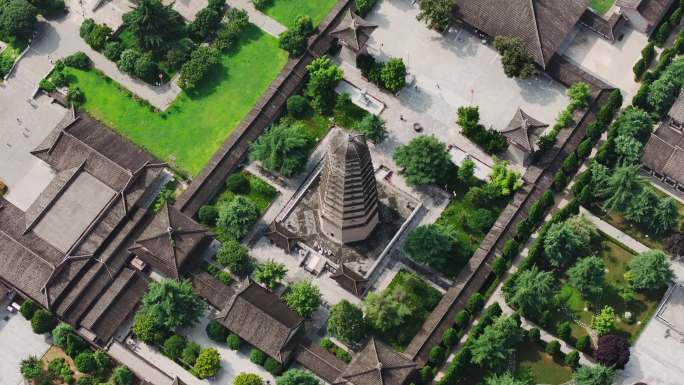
{"x":376,"y":364}
{"x":354,"y":31}
{"x":542,"y":24}
{"x":522,"y":129}
{"x":664,"y":154}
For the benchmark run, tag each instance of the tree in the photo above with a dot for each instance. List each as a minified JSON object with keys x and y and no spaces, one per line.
{"x":665,"y":216}
{"x":60,"y":333}
{"x":428,"y":244}
{"x":292,"y":41}
{"x":174,"y":345}
{"x":207,"y":20}
{"x":194,"y":70}
{"x":297,"y":377}
{"x":587,"y":276}
{"x":504,"y":379}
{"x":270,"y":273}
{"x":628,"y":149}
{"x":531,"y":291}
{"x":190,"y":353}
{"x":641,"y":206}
{"x":85,"y":362}
{"x":153,"y":24}
{"x":145,"y":68}
{"x":43,"y":322}
{"x":437,"y":14}
{"x":235,"y":256}
{"x":503,"y":180}
{"x":562,"y":245}
{"x":517,"y":63}
{"x":208,"y":363}
{"x":283,"y":148}
{"x":579,"y":94}
{"x":28,"y":308}
{"x":75,"y":345}
{"x":31,"y":368}
{"x":604,"y":322}
{"x":102,"y":361}
{"x":297,"y":106}
{"x":650,"y":270}
{"x":594,"y":375}
{"x":323,"y":77}
{"x":372,"y":127}
{"x":303,"y":297}
{"x":17,"y":19}
{"x":233,"y":341}
{"x":583,"y":228}
{"x":128,"y":59}
{"x":346,"y":322}
{"x":236,"y":217}
{"x":393,"y":74}
{"x":248,"y":379}
{"x":424,"y":160}
{"x":148,"y":327}
{"x":385,"y":312}
{"x":121,"y":375}
{"x":495,"y":345}
{"x":174,"y":304}
{"x":466,"y":172}
{"x":613,"y":351}
{"x":75,"y":96}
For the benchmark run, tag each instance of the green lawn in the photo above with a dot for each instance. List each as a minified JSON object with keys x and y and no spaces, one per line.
{"x":616,"y":258}
{"x":601,"y":6}
{"x":287,"y":11}
{"x":195,"y":125}
{"x":542,"y":366}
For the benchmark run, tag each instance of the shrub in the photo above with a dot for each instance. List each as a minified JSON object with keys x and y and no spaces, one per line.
{"x":60,"y":333}
{"x":121,"y":375}
{"x":393,"y":74}
{"x":233,"y":341}
{"x":234,"y":256}
{"x":74,"y":345}
{"x":190,"y":353}
{"x":31,"y":368}
{"x":564,"y":330}
{"x":194,"y":70}
{"x":173,"y":346}
{"x":304,"y":25}
{"x":47,"y":85}
{"x":88,"y":380}
{"x":676,"y":16}
{"x":257,"y":356}
{"x":238,"y":183}
{"x":75,"y":96}
{"x":208,"y":363}
{"x":208,"y":215}
{"x":572,"y":359}
{"x":43,"y":322}
{"x":552,"y":348}
{"x":102,"y":361}
{"x":113,"y":50}
{"x":77,"y":60}
{"x":662,"y":33}
{"x":450,"y":337}
{"x":236,"y":217}
{"x":145,"y":68}
{"x":475,"y":303}
{"x":363,"y":6}
{"x":533,"y":335}
{"x":85,"y":362}
{"x":372,"y":127}
{"x":639,"y":68}
{"x":216,"y":331}
{"x":60,"y":370}
{"x":98,"y":35}
{"x":292,"y":41}
{"x":613,"y":351}
{"x":127,"y":60}
{"x":427,"y":374}
{"x":584,"y":148}
{"x":86,"y":27}
{"x":261,"y":4}
{"x":462,"y":319}
{"x":272,"y":366}
{"x":583,"y":344}
{"x":28,"y":308}
{"x":437,"y":355}
{"x":297,"y":106}
{"x":510,"y":249}
{"x":499,"y":266}
{"x":648,"y":53}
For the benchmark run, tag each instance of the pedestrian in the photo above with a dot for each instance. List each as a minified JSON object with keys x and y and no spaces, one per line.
{"x":401,"y":117}
{"x":18,"y":120}
{"x":437,"y":85}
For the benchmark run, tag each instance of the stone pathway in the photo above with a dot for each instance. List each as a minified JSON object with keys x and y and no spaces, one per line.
{"x":138,"y":365}
{"x":614,"y":232}
{"x":266,"y":23}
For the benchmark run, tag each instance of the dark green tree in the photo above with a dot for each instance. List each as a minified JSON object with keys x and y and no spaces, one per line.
{"x":303,"y":297}
{"x":236,"y":218}
{"x":393,"y":74}
{"x":531,"y":291}
{"x":372,"y":127}
{"x":234,"y":256}
{"x":587,"y":276}
{"x":323,"y":78}
{"x":297,"y":377}
{"x":594,"y":375}
{"x":437,"y":14}
{"x":174,"y":304}
{"x":650,"y":270}
{"x":284,"y":148}
{"x":17,"y":19}
{"x":346,"y":322}
{"x":517,"y":63}
{"x":562,"y":245}
{"x":496,"y":343}
{"x":428,"y":244}
{"x":424,"y":160}
{"x":153,"y":24}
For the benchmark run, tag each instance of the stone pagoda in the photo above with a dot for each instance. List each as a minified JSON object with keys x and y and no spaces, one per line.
{"x":348,"y":194}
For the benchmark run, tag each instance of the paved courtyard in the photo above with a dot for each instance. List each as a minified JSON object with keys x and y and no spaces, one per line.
{"x":456,"y":69}
{"x":17,"y":341}
{"x":609,"y":61}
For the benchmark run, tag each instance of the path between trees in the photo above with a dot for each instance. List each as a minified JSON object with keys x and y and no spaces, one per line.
{"x":261,"y":20}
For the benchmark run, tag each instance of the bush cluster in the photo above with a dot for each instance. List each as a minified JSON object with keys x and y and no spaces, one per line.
{"x":293,"y":40}
{"x":492,"y":141}
{"x":390,"y":75}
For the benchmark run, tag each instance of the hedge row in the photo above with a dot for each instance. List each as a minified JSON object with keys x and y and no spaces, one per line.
{"x":668,"y":24}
